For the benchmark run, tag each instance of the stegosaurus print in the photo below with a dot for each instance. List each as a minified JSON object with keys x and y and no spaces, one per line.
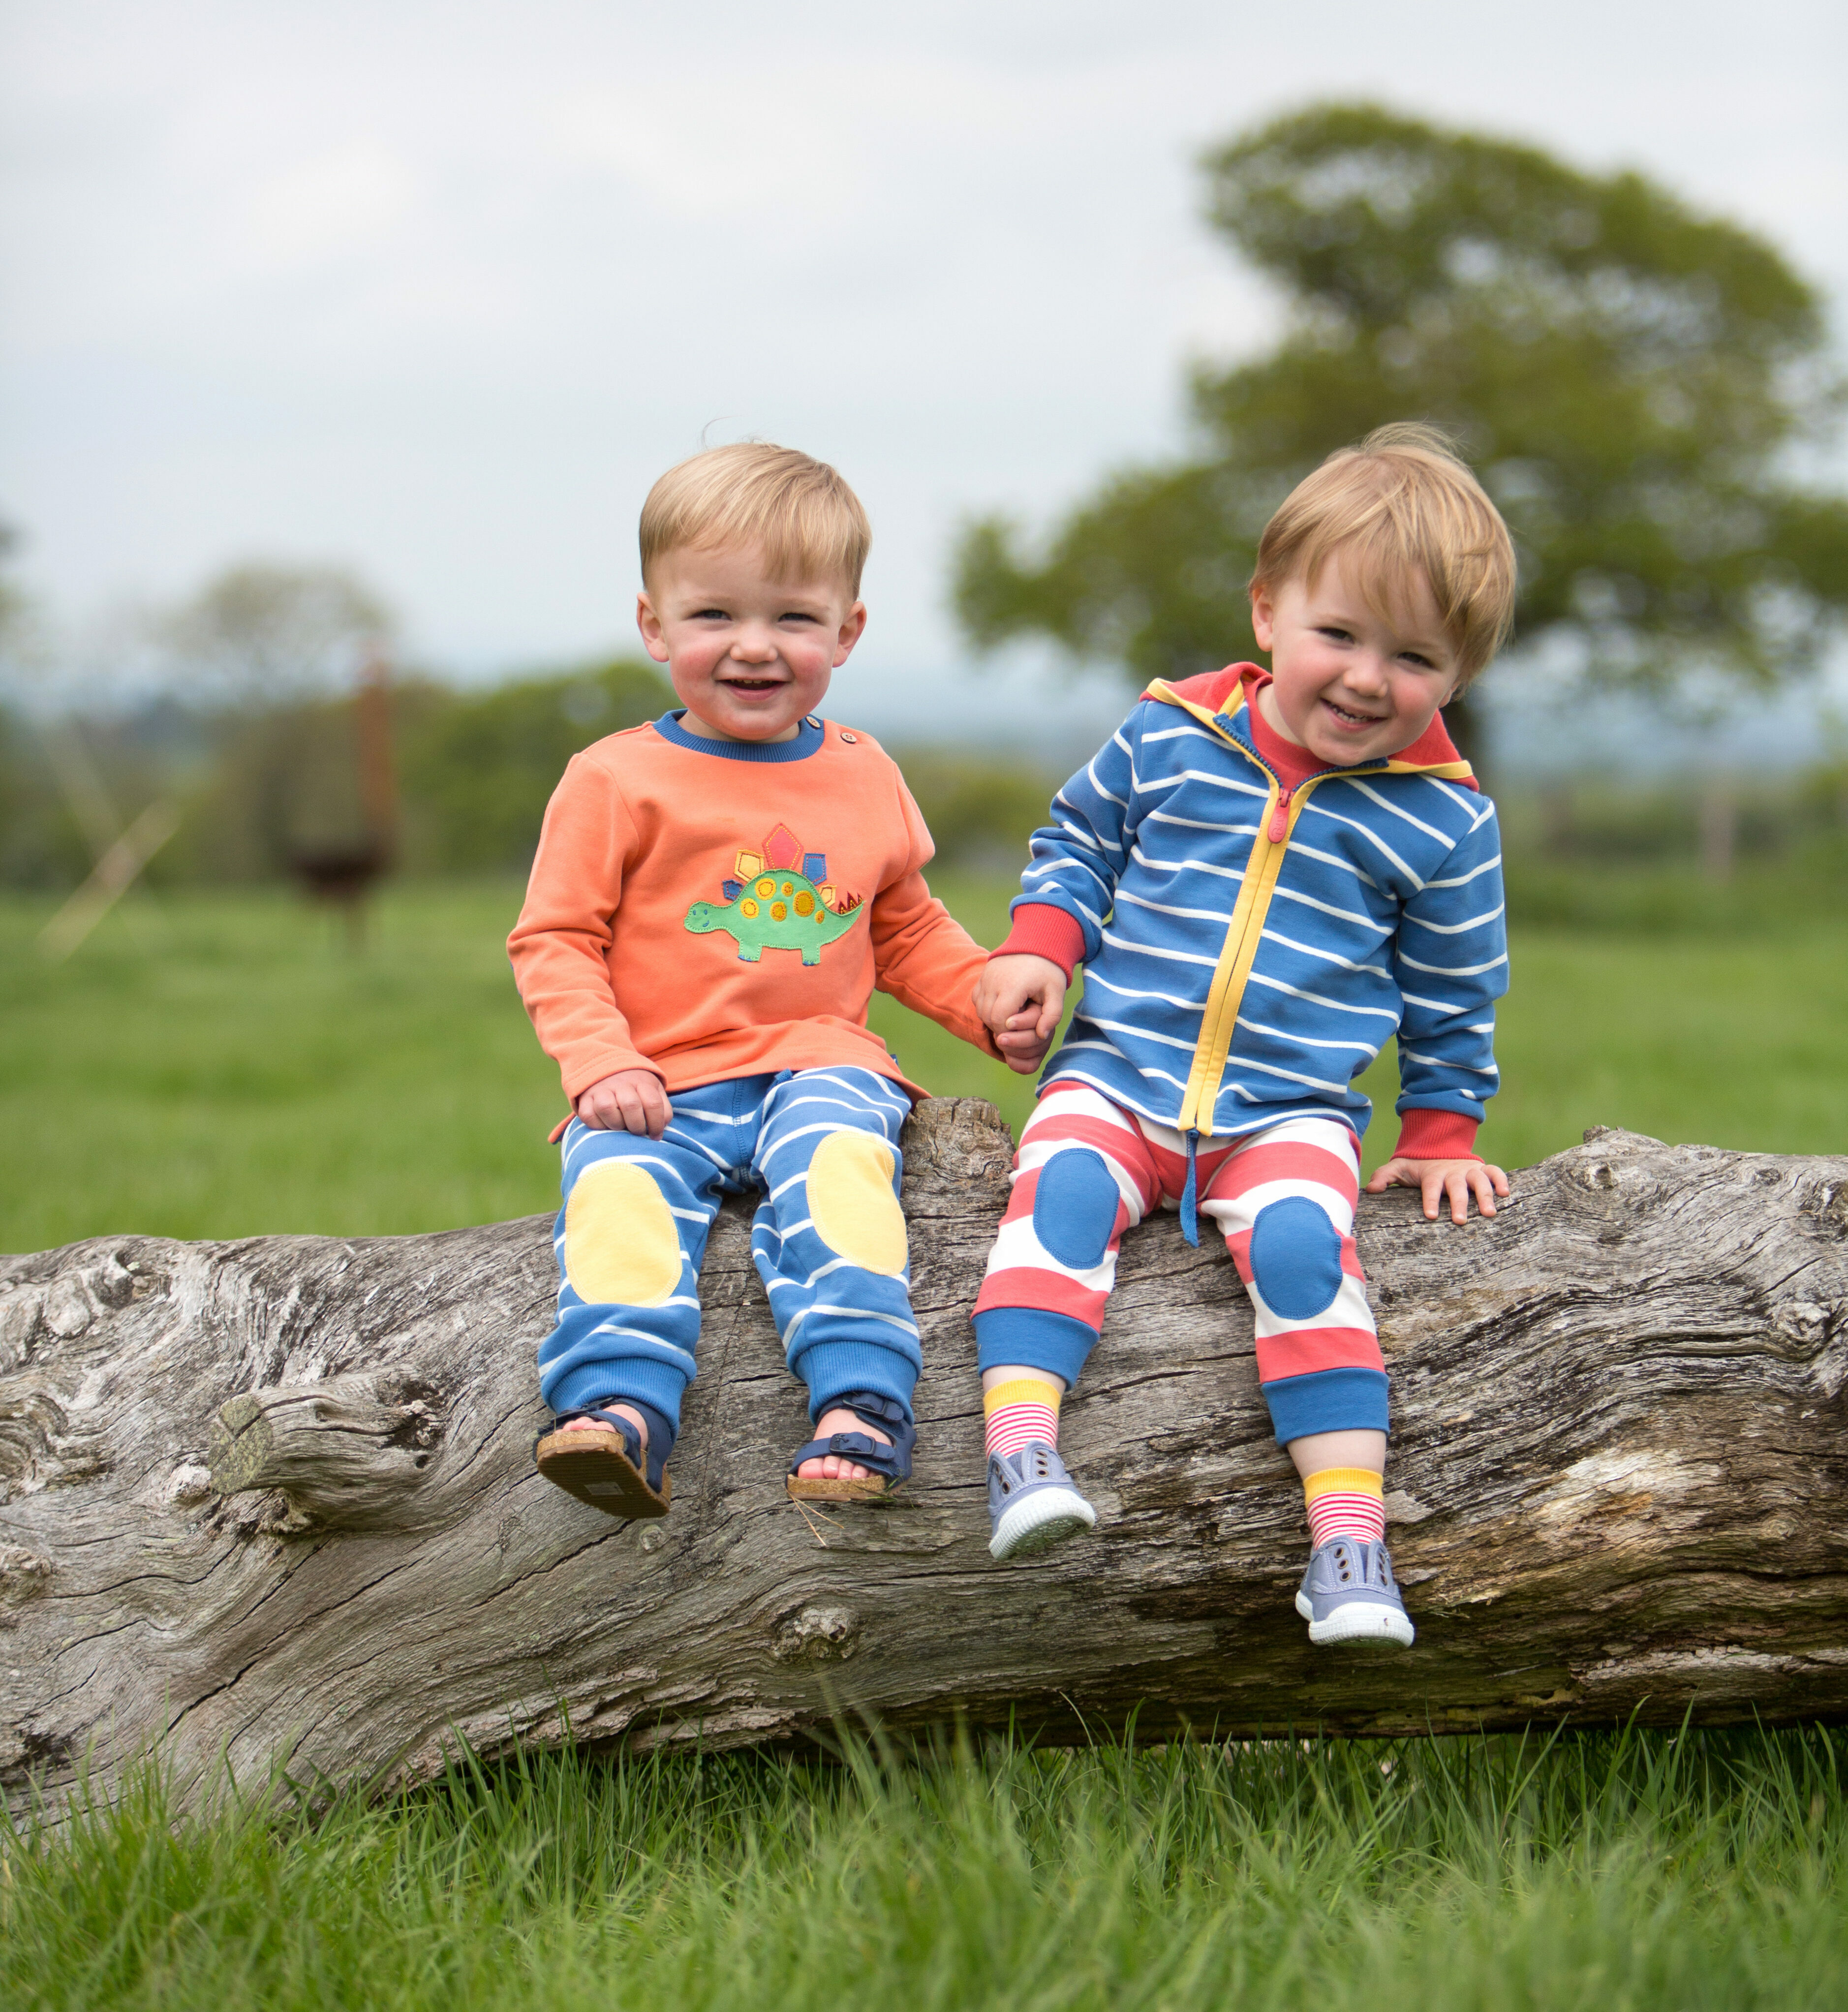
{"x":775,"y":904}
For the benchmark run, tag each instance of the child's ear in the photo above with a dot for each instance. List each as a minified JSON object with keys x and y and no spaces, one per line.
{"x":851,"y":630}
{"x":648,"y":621}
{"x":1264,"y":615}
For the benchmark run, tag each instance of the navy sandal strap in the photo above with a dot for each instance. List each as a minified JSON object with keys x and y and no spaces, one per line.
{"x":893,"y":1461}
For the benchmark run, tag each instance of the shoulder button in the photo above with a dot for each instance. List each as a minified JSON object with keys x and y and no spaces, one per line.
{"x":851,"y":739}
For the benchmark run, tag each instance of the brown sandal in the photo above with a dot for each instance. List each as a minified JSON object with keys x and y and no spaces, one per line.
{"x":605,"y":1465}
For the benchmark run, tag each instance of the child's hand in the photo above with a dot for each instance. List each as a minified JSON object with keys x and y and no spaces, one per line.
{"x":1021,"y":999}
{"x":630,"y":1101}
{"x":1458,"y":1179}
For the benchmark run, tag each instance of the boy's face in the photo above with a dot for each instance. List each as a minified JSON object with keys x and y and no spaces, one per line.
{"x":749,"y":656}
{"x":1346,"y":682}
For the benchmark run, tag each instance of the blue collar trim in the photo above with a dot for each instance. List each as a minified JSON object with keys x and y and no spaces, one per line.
{"x":809,"y":737}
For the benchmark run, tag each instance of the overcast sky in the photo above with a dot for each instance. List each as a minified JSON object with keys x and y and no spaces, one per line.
{"x":436,"y":291}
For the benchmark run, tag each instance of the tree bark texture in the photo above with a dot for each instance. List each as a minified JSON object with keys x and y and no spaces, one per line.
{"x":272,"y":1502}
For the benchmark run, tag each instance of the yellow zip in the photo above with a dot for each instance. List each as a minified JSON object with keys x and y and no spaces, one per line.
{"x":1237,"y":956}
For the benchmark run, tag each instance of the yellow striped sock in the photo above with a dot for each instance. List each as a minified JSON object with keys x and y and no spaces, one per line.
{"x":1022,"y":1409}
{"x":1345,"y":1502}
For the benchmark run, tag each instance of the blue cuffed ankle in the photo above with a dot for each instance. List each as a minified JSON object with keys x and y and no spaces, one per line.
{"x":831,"y":1368}
{"x":1329,"y":1400}
{"x":1030,"y":1339}
{"x":630,"y":1379}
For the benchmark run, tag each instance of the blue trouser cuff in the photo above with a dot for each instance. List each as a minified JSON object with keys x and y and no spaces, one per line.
{"x":1034,"y":1339}
{"x":1329,"y":1400}
{"x":638,"y":1379}
{"x":831,"y":1368}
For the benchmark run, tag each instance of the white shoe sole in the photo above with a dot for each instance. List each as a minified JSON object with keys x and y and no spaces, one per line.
{"x":1364,"y":1622}
{"x":1039,"y":1521}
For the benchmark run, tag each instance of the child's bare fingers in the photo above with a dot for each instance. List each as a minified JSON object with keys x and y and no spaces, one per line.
{"x":1431,"y":1189}
{"x":1483,"y":1189}
{"x":1498,"y":1177}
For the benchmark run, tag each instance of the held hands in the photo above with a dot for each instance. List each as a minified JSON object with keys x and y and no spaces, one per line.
{"x":1020,"y":998}
{"x":1454,"y":1180}
{"x":630,"y":1101}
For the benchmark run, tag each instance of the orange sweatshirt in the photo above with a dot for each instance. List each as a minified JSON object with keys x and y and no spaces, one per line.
{"x":709,"y":909}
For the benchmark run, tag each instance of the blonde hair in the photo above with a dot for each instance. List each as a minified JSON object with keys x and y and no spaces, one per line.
{"x":809,"y":523}
{"x":1403,"y":502}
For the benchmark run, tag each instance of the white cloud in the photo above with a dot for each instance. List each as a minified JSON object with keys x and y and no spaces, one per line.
{"x":732,"y":152}
{"x":351,"y":198}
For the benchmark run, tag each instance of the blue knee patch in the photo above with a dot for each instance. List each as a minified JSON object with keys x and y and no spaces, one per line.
{"x":1075,"y":1207}
{"x":1296,"y":1258}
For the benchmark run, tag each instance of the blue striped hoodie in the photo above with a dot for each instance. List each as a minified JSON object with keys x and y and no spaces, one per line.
{"x":1249,"y":948}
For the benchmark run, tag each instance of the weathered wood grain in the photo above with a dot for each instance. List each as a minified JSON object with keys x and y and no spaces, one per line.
{"x":1617,"y":1486}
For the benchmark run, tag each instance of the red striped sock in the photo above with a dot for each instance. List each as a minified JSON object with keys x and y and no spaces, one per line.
{"x":1023,"y":1408}
{"x":1345,"y":1502}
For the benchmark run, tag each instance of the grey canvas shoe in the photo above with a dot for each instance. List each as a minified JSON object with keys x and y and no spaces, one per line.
{"x":1349,"y":1595}
{"x":1032,"y":1502}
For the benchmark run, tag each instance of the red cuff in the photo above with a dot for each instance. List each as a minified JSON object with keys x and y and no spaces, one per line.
{"x":1040,"y":929}
{"x":1437,"y":1135}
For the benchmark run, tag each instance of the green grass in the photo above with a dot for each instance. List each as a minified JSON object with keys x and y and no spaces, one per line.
{"x":1602,"y":1871}
{"x":222,"y":1065}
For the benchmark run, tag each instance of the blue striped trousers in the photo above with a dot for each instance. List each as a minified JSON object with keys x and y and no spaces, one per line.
{"x":822,"y":1147}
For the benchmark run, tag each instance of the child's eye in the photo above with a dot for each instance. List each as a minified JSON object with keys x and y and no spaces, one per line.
{"x":1336,"y":635}
{"x":708,"y":614}
{"x":1417,"y":659}
{"x":796,"y":614}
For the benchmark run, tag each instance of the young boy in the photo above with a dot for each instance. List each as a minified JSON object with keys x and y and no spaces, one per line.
{"x":1263,"y":874}
{"x":714,"y":898}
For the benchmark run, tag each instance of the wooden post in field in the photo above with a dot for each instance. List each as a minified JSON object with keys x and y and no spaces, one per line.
{"x":1719,"y":828}
{"x":344,"y":874}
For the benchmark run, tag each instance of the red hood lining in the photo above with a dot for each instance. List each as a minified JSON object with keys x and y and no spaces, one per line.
{"x":1218,"y":689}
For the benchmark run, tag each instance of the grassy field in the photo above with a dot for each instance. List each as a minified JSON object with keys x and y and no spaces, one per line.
{"x":1600,"y":1872}
{"x":220,"y":1066}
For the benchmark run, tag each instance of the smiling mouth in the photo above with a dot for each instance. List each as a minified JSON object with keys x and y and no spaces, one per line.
{"x":1352,"y":718}
{"x":752,"y":686}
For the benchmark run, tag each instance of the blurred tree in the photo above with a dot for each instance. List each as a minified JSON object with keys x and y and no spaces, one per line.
{"x":1630,"y":380}
{"x":261,"y":634}
{"x":980,"y":811}
{"x":479,"y":769}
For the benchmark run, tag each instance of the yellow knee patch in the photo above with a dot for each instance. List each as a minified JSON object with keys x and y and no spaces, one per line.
{"x":851,"y":1203}
{"x":620,"y":1247}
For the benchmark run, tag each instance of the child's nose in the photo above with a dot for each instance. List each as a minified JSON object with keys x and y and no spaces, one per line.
{"x":755,"y":646}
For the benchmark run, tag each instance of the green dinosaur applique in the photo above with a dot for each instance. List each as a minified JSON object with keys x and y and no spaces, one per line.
{"x":772,"y":906}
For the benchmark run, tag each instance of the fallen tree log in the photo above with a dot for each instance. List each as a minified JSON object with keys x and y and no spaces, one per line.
{"x":272,"y":1502}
